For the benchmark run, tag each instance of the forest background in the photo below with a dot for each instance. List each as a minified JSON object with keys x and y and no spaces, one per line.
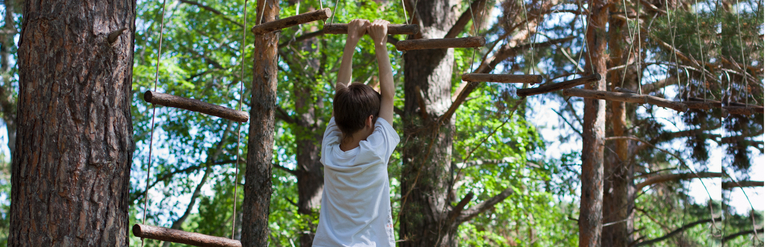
{"x":531,"y":153}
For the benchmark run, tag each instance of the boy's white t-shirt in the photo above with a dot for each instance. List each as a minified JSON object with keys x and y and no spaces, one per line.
{"x":355,"y":204}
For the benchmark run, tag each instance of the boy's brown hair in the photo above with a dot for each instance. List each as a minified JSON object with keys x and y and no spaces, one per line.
{"x":353,"y":105}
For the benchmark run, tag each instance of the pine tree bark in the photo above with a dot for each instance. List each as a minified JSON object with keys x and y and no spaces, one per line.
{"x":427,"y":150}
{"x":593,"y":129}
{"x":618,"y":184}
{"x":71,"y":170}
{"x":257,"y":187}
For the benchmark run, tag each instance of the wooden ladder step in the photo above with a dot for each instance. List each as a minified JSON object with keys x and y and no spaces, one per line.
{"x":503,"y":78}
{"x":195,"y":105}
{"x":182,"y":237}
{"x":626,"y":97}
{"x":306,"y":17}
{"x":424,"y":44}
{"x":392,"y":29}
{"x":558,"y":86}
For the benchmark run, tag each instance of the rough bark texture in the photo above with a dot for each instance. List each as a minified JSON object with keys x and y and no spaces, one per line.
{"x":257,"y":187}
{"x":505,"y":78}
{"x":70,"y":174}
{"x":593,"y":134}
{"x":618,"y":190}
{"x":426,"y":149}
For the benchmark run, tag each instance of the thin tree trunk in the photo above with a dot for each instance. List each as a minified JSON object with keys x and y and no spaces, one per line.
{"x":70,"y":174}
{"x":424,"y":217}
{"x":617,"y":186}
{"x":593,"y":134}
{"x":257,"y":187}
{"x":7,"y":102}
{"x":310,"y":177}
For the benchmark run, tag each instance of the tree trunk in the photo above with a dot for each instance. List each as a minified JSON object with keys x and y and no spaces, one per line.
{"x":310,"y":177}
{"x":7,"y":102}
{"x":257,"y":187}
{"x":593,"y":134}
{"x":71,"y":170}
{"x":618,"y":189}
{"x":427,"y":150}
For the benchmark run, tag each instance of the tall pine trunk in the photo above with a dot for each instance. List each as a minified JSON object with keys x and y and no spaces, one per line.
{"x":71,"y":167}
{"x":618,"y":188}
{"x":593,"y":134}
{"x":257,"y":187}
{"x":427,"y":149}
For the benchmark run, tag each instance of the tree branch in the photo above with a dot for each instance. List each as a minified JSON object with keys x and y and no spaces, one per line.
{"x":731,"y":185}
{"x":741,"y":233}
{"x":674,"y":177}
{"x":282,"y":115}
{"x":214,"y":11}
{"x":472,"y":212}
{"x":290,"y":171}
{"x":460,"y":206}
{"x":466,"y":16}
{"x":676,"y":231}
{"x":487,"y":66}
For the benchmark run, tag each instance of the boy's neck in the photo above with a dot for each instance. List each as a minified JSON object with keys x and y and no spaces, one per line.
{"x":348,"y":143}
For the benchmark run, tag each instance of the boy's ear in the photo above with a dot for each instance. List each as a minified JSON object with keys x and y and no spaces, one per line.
{"x":369,"y":120}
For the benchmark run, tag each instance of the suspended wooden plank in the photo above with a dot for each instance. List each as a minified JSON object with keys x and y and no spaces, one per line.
{"x":503,"y":78}
{"x":178,"y":236}
{"x":626,"y":97}
{"x":195,"y":105}
{"x":306,"y":17}
{"x":558,"y":86}
{"x":392,"y":29}
{"x":424,"y":44}
{"x":743,"y":110}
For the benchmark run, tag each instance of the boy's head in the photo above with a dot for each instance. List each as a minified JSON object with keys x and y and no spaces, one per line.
{"x":356,"y":108}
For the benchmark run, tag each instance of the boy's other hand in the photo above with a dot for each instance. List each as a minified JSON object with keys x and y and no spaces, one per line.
{"x":379,"y":32}
{"x":356,"y":29}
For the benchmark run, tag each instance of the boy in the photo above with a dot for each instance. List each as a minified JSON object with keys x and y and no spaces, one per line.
{"x":355,"y":204}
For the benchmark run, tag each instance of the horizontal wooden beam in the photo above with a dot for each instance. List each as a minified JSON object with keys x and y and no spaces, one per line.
{"x":392,"y":29}
{"x":626,"y":97}
{"x":731,"y":185}
{"x":743,"y":110}
{"x":424,"y":44}
{"x":178,"y":236}
{"x":558,"y":86}
{"x":504,"y":78}
{"x":321,"y":14}
{"x":195,"y":105}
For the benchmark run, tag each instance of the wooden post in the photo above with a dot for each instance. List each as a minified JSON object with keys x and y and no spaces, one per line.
{"x":423,"y":44}
{"x":558,"y":86}
{"x":178,"y":236}
{"x":392,"y":29}
{"x":195,"y":105}
{"x":321,"y":14}
{"x":626,"y":97}
{"x":503,"y":78}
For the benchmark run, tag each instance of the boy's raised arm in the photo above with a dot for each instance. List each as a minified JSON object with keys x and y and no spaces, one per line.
{"x":379,"y":32}
{"x":356,"y":30}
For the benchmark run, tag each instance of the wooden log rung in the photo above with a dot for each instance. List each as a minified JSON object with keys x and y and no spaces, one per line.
{"x":626,"y":97}
{"x":178,"y":236}
{"x":321,"y":14}
{"x":558,"y":86}
{"x":195,"y":105}
{"x":392,"y":29}
{"x":503,"y":78}
{"x":424,"y":44}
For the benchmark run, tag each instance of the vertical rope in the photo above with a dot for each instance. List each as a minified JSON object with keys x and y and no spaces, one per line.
{"x":239,"y":125}
{"x":672,"y":34}
{"x":403,"y":6}
{"x":153,"y":114}
{"x":334,"y":12}
{"x":638,"y":57}
{"x":531,"y":40}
